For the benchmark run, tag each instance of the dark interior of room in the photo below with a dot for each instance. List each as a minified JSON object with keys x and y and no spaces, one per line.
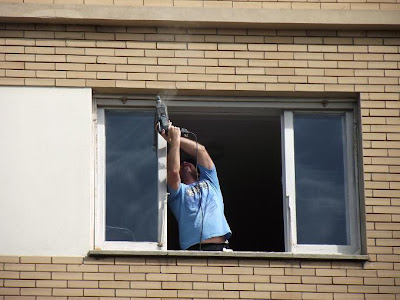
{"x":247,"y":153}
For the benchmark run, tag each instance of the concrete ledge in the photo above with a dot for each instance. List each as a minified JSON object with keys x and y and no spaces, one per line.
{"x":202,"y":254}
{"x":198,"y":17}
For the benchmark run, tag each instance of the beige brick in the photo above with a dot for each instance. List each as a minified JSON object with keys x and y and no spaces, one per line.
{"x":81,"y":59}
{"x":279,"y":71}
{"x":71,"y":82}
{"x":112,"y":60}
{"x":219,"y":54}
{"x":270,"y":287}
{"x":286,"y":295}
{"x":171,"y":77}
{"x":330,"y":272}
{"x":208,"y":286}
{"x":323,"y":48}
{"x":292,"y":79}
{"x":66,"y":67}
{"x":20,"y":57}
{"x":184,"y":69}
{"x":51,"y":267}
{"x":309,"y":56}
{"x":348,"y":280}
{"x":368,"y":57}
{"x":114,"y":284}
{"x":98,"y":276}
{"x":292,"y":48}
{"x":35,"y":275}
{"x":259,"y":78}
{"x":249,"y":55}
{"x":68,"y":292}
{"x":19,"y":267}
{"x":146,"y":285}
{"x":338,"y":56}
{"x":124,"y":276}
{"x":202,"y":46}
{"x":254,"y":278}
{"x":168,"y":285}
{"x":67,"y":275}
{"x":191,"y":85}
{"x":162,"y":293}
{"x":13,"y":49}
{"x":382,"y":65}
{"x":318,"y":296}
{"x":36,"y":291}
{"x":99,"y":292}
{"x":40,"y":82}
{"x":83,"y":284}
{"x":192,"y":294}
{"x":130,"y":293}
{"x":323,"y":64}
{"x":161,"y":277}
{"x":9,"y":291}
{"x":239,"y":286}
{"x":19,"y":283}
{"x":224,"y":294}
{"x":317,"y":280}
{"x":172,"y":61}
{"x":347,"y":296}
{"x":51,"y":283}
{"x":12,"y":65}
{"x":311,"y":72}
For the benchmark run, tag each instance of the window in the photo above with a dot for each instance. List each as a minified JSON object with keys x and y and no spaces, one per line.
{"x":287,"y":171}
{"x":131,"y":206}
{"x":320,"y":183}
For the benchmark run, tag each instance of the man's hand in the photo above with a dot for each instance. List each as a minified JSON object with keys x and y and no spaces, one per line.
{"x":174,"y":135}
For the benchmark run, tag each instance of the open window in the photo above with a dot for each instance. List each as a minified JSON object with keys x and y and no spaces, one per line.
{"x":287,"y":171}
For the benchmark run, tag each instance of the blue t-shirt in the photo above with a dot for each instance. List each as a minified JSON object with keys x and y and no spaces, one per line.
{"x":189,"y":210}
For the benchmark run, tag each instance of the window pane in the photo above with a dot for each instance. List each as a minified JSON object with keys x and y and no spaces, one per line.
{"x":131,"y":177}
{"x":319,"y":142}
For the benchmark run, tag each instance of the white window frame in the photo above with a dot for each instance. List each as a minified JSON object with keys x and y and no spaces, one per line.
{"x":100,"y":203}
{"x":242,"y":106}
{"x":352,"y":207}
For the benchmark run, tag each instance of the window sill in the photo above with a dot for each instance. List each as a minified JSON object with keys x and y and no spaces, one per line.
{"x":234,"y":254}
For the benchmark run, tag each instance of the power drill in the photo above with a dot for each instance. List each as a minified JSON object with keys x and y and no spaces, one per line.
{"x":162,"y":118}
{"x":162,"y":115}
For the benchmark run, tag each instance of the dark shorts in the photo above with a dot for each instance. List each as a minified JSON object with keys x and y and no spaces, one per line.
{"x":209,"y":247}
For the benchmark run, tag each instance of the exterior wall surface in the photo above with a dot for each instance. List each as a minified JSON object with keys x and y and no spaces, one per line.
{"x":45,"y":171}
{"x":212,"y":61}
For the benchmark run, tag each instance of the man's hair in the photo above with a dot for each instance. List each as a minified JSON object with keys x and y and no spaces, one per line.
{"x":190,"y":160}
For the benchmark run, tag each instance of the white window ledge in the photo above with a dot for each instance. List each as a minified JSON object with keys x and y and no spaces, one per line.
{"x":233,"y":254}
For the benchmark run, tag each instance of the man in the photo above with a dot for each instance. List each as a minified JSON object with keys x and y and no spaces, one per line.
{"x":195,"y":199}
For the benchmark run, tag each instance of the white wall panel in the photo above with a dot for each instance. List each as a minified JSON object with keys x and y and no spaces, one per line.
{"x":45,"y":171}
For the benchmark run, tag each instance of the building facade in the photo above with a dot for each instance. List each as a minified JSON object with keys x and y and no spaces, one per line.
{"x":283,"y":84}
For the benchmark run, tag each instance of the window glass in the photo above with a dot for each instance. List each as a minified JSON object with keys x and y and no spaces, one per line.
{"x":319,"y":142}
{"x":131,"y":176}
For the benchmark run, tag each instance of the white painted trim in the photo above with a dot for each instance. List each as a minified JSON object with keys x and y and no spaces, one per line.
{"x":162,"y":192}
{"x":101,"y":182}
{"x":290,"y":182}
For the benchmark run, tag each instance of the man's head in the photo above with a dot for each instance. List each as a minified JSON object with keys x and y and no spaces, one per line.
{"x":188,"y":171}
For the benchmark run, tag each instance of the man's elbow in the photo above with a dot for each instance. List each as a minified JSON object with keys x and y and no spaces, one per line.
{"x":174,"y":173}
{"x":202,"y":149}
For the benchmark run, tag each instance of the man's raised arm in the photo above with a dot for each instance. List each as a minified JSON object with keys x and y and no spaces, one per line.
{"x":173,"y":160}
{"x":190,"y":146}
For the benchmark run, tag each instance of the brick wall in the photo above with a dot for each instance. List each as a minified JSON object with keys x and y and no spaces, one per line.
{"x":185,"y":278}
{"x":256,"y":4}
{"x":209,"y":60}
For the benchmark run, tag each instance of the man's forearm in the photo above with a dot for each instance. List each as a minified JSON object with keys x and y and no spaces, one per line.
{"x":173,"y":161}
{"x":190,"y":146}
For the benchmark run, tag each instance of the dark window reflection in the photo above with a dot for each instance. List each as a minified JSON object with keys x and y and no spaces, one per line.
{"x":320,"y":179}
{"x":131,"y":176}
